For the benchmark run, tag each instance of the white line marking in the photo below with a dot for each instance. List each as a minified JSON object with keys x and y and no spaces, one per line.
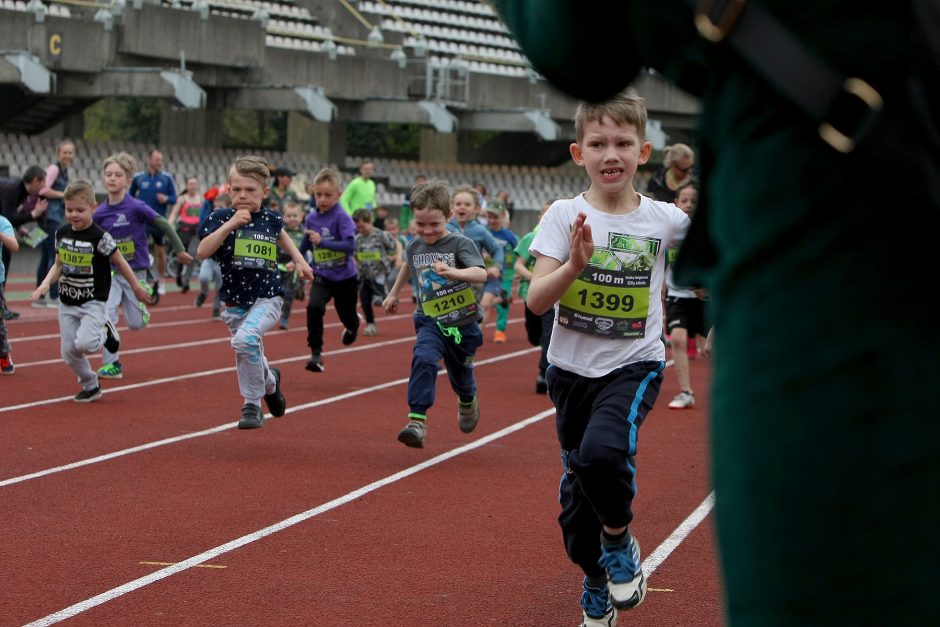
{"x":231,"y":425}
{"x":670,"y":544}
{"x":196,"y":560}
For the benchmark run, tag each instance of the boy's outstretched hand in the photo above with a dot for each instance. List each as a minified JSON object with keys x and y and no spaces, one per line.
{"x":582,"y":244}
{"x":390,"y":304}
{"x":142,"y":294}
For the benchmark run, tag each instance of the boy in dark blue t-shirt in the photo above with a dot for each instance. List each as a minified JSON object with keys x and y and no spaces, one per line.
{"x":244,"y":239}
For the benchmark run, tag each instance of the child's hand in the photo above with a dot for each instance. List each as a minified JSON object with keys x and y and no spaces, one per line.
{"x":38,"y":293}
{"x":444,"y":270}
{"x":290,"y":265}
{"x":582,"y":244}
{"x":184,"y":258}
{"x":313,"y":236}
{"x":390,"y":304}
{"x":492,"y":272}
{"x":142,"y":294}
{"x":306,"y":271}
{"x":241,"y":217}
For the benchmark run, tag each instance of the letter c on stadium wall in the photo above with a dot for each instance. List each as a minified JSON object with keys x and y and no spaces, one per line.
{"x":55,"y":45}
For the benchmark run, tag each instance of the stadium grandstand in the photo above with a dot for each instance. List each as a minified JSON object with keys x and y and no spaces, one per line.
{"x":449,"y":66}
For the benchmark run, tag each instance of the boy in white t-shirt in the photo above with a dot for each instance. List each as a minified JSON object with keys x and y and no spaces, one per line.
{"x":600,"y":261}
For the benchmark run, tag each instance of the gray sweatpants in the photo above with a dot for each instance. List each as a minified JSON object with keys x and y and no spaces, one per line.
{"x":122,"y":293}
{"x":82,"y":331}
{"x":248,"y":327}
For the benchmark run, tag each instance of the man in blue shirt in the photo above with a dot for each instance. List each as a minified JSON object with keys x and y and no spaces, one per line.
{"x":155,"y":187}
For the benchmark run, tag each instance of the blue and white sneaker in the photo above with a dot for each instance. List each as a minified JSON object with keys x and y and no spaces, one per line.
{"x":596,"y":608}
{"x":625,"y":578}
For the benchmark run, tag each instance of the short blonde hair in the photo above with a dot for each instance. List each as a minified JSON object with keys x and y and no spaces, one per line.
{"x":625,"y":108}
{"x":467,"y":189}
{"x":127,"y":163}
{"x":82,"y":190}
{"x":673,"y":153}
{"x":252,"y":166}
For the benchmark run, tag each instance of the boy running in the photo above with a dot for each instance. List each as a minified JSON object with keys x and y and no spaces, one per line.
{"x":375,"y":254}
{"x":443,"y":264}
{"x":244,"y":240}
{"x":600,"y":261}
{"x":82,"y":268}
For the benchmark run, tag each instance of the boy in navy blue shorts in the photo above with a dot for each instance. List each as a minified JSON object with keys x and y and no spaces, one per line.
{"x":244,"y":239}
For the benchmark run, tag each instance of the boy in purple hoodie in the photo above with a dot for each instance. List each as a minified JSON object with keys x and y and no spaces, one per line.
{"x":331,"y":234}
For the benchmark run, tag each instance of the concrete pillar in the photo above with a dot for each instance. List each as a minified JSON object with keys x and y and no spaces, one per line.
{"x":438,"y":147}
{"x":190,"y":127}
{"x":307,"y":136}
{"x":337,"y":147}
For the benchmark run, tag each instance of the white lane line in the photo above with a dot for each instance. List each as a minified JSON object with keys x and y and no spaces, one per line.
{"x":231,"y":425}
{"x":213,"y":553}
{"x":670,"y":544}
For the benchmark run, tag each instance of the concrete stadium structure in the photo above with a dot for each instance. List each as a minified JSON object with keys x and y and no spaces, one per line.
{"x":446,"y":65}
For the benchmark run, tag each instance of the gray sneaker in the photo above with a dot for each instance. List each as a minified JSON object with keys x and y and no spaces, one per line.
{"x":252,"y":417}
{"x":468,"y":414}
{"x":413,"y":434}
{"x":683,"y":400}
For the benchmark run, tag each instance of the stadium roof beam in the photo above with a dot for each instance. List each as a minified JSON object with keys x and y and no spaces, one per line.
{"x":422,"y":112}
{"x":310,"y":100}
{"x":136,"y":81}
{"x":536,"y":121}
{"x":24,"y":69}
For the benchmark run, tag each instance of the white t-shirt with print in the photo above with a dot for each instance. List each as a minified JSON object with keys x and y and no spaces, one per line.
{"x":630,"y":249}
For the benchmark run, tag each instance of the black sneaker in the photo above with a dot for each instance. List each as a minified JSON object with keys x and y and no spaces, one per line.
{"x":252,"y":417}
{"x":541,"y":385}
{"x":9,"y":314}
{"x":275,"y":401}
{"x":200,"y":299}
{"x":112,"y":339}
{"x":350,"y":336}
{"x":87,"y":396}
{"x":315,"y":363}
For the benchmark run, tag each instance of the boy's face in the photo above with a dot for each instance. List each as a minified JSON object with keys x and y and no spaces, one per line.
{"x":494,"y":221}
{"x":292,"y":218}
{"x":687,"y":200}
{"x":364,"y":227}
{"x":115,"y":178}
{"x":326,"y":194}
{"x":246,"y":191}
{"x":78,"y":212}
{"x":610,"y":154}
{"x":463,"y":207}
{"x":392,"y":228}
{"x":429,"y":225}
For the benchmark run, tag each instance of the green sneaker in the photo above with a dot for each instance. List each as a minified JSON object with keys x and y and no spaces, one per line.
{"x":111,"y":371}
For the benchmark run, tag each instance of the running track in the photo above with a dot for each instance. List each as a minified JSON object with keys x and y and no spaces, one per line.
{"x":149,"y":508}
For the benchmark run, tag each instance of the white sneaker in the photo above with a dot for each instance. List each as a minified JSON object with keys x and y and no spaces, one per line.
{"x":608,"y":620}
{"x":683,"y":400}
{"x":161,"y":288}
{"x":370,"y":330}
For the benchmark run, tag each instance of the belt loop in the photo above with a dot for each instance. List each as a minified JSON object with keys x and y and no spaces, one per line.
{"x":844,"y":141}
{"x":715,"y":29}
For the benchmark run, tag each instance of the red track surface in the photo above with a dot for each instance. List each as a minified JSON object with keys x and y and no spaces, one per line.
{"x":196,"y":527}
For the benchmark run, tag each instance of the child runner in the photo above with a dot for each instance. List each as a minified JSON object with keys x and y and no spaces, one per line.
{"x":209,"y":269}
{"x":85,"y":255}
{"x":375,"y":251}
{"x":538,"y":328}
{"x":600,"y":261}
{"x":466,"y":206}
{"x":332,"y":235}
{"x":185,"y":218}
{"x":443,"y":264}
{"x":685,"y":312}
{"x":126,"y":218}
{"x":496,"y":217}
{"x":7,"y":242}
{"x":244,"y":240}
{"x":393,"y":228}
{"x":290,"y":276}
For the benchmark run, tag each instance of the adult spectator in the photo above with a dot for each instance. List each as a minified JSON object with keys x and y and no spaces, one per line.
{"x":824,"y":447}
{"x":155,"y":187}
{"x":57,"y":179}
{"x":360,"y":193}
{"x":281,"y":191}
{"x":678,"y":160}
{"x":20,"y":203}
